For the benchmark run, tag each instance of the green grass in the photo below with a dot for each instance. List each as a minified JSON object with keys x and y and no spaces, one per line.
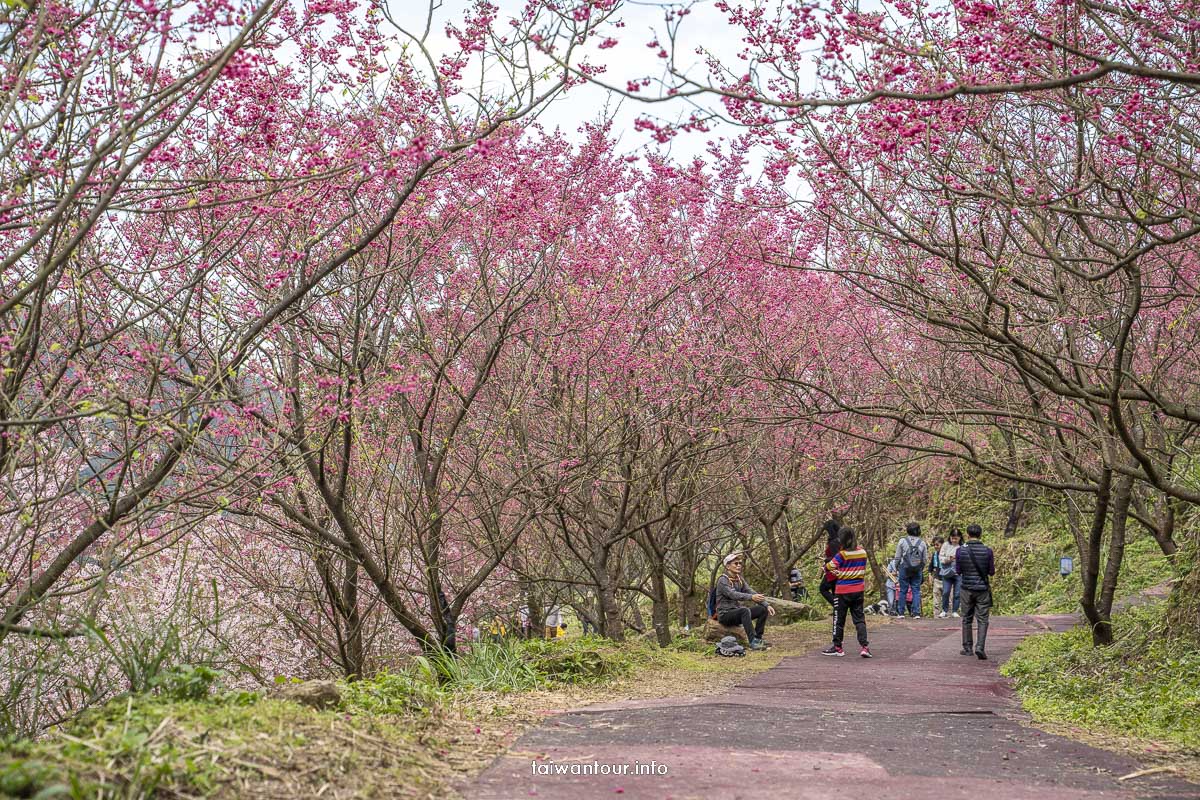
{"x":147,"y":746}
{"x":1146,"y":685}
{"x":183,"y":741}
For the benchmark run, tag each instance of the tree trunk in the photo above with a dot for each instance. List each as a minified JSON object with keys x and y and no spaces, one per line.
{"x":1163,"y":527}
{"x":779,"y":567}
{"x":1122,"y":494}
{"x":342,"y":597}
{"x":606,"y":597}
{"x":876,"y":570}
{"x":691,"y":607}
{"x":636,"y":621}
{"x":355,"y":657}
{"x":1091,"y":566}
{"x":1015,"y":509}
{"x":660,"y":613}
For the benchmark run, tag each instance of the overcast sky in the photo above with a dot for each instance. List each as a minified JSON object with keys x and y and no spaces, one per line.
{"x":630,"y":59}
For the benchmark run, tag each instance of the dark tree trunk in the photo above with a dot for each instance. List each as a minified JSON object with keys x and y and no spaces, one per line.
{"x":1091,"y":563}
{"x":342,"y":596}
{"x":869,"y":544}
{"x":606,"y":596}
{"x":779,"y":565}
{"x":355,"y":653}
{"x":636,"y":620}
{"x":660,"y":613}
{"x":1122,"y":494}
{"x":691,"y":607}
{"x":1015,"y":509}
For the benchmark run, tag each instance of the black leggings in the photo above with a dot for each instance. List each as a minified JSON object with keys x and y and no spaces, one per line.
{"x":852,"y":603}
{"x":743,"y":616}
{"x":826,"y":589}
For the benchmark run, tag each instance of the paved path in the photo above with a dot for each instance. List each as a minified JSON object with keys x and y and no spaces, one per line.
{"x":918,"y":721}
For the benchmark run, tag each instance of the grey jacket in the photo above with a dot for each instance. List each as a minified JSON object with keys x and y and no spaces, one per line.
{"x":730,"y":597}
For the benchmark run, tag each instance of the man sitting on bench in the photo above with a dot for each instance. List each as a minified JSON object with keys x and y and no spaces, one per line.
{"x":732,"y":591}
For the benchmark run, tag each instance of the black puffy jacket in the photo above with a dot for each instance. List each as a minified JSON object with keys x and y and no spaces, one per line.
{"x":970,"y":554}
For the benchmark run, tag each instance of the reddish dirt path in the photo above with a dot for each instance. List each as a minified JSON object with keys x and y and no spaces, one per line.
{"x":917,"y":721}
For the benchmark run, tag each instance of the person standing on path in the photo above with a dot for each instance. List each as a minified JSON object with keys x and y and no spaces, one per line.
{"x":911,"y":552}
{"x":949,"y":575}
{"x":832,"y":545}
{"x":732,"y":590}
{"x":850,"y":567}
{"x":893,"y":588}
{"x":975,"y":565}
{"x":935,"y":570}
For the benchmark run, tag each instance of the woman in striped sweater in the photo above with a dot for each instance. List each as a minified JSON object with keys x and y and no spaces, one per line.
{"x":850,"y":567}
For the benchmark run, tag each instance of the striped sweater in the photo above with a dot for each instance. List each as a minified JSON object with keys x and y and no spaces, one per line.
{"x":850,"y":567}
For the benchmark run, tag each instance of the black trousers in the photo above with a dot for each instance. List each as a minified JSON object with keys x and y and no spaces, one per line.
{"x":976,"y":608}
{"x":826,"y":589}
{"x":756,"y":614}
{"x":852,"y":603}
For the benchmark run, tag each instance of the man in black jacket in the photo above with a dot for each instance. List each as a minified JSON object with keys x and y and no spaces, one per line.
{"x":975,"y":566}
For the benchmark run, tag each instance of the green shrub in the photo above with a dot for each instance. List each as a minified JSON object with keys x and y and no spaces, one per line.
{"x":412,"y":690}
{"x":585,"y":659}
{"x":498,"y":666}
{"x":1147,"y":684}
{"x":185,"y":682}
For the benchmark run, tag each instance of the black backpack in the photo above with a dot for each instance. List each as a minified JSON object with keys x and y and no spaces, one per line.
{"x":913,"y":560}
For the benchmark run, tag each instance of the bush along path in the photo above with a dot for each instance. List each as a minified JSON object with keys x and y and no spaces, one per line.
{"x":917,"y":721}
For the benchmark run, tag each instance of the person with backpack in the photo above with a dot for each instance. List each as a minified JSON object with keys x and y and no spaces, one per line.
{"x":850,"y":567}
{"x":975,"y":565}
{"x":832,"y":545}
{"x":911,"y":553}
{"x":729,"y":594}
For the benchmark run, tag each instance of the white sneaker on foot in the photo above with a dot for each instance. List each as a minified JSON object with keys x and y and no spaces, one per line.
{"x":942,"y":615}
{"x":956,"y":615}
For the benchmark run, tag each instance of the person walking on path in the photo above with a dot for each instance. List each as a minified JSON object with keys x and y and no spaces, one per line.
{"x":832,"y":545}
{"x":850,"y":567}
{"x":911,"y":552}
{"x":975,"y":565}
{"x":949,"y":575}
{"x":732,"y":590}
{"x":935,"y":571}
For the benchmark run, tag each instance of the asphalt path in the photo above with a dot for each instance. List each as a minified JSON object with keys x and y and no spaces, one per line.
{"x":917,"y":721}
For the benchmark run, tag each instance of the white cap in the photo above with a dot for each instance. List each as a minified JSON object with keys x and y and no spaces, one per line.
{"x":732,"y":556}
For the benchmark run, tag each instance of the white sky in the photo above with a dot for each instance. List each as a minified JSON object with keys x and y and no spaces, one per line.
{"x":630,"y":59}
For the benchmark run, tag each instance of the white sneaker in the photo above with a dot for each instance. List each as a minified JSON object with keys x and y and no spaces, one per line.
{"x":942,"y":615}
{"x":956,"y":615}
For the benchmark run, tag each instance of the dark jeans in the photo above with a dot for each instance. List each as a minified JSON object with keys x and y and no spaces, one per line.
{"x":910,"y":580}
{"x":854,"y":604}
{"x":743,"y":617}
{"x":826,"y":589}
{"x":950,"y":586}
{"x":975,"y":606}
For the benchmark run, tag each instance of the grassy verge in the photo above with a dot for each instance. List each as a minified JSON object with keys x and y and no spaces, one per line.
{"x":413,"y":734}
{"x":1142,"y":694}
